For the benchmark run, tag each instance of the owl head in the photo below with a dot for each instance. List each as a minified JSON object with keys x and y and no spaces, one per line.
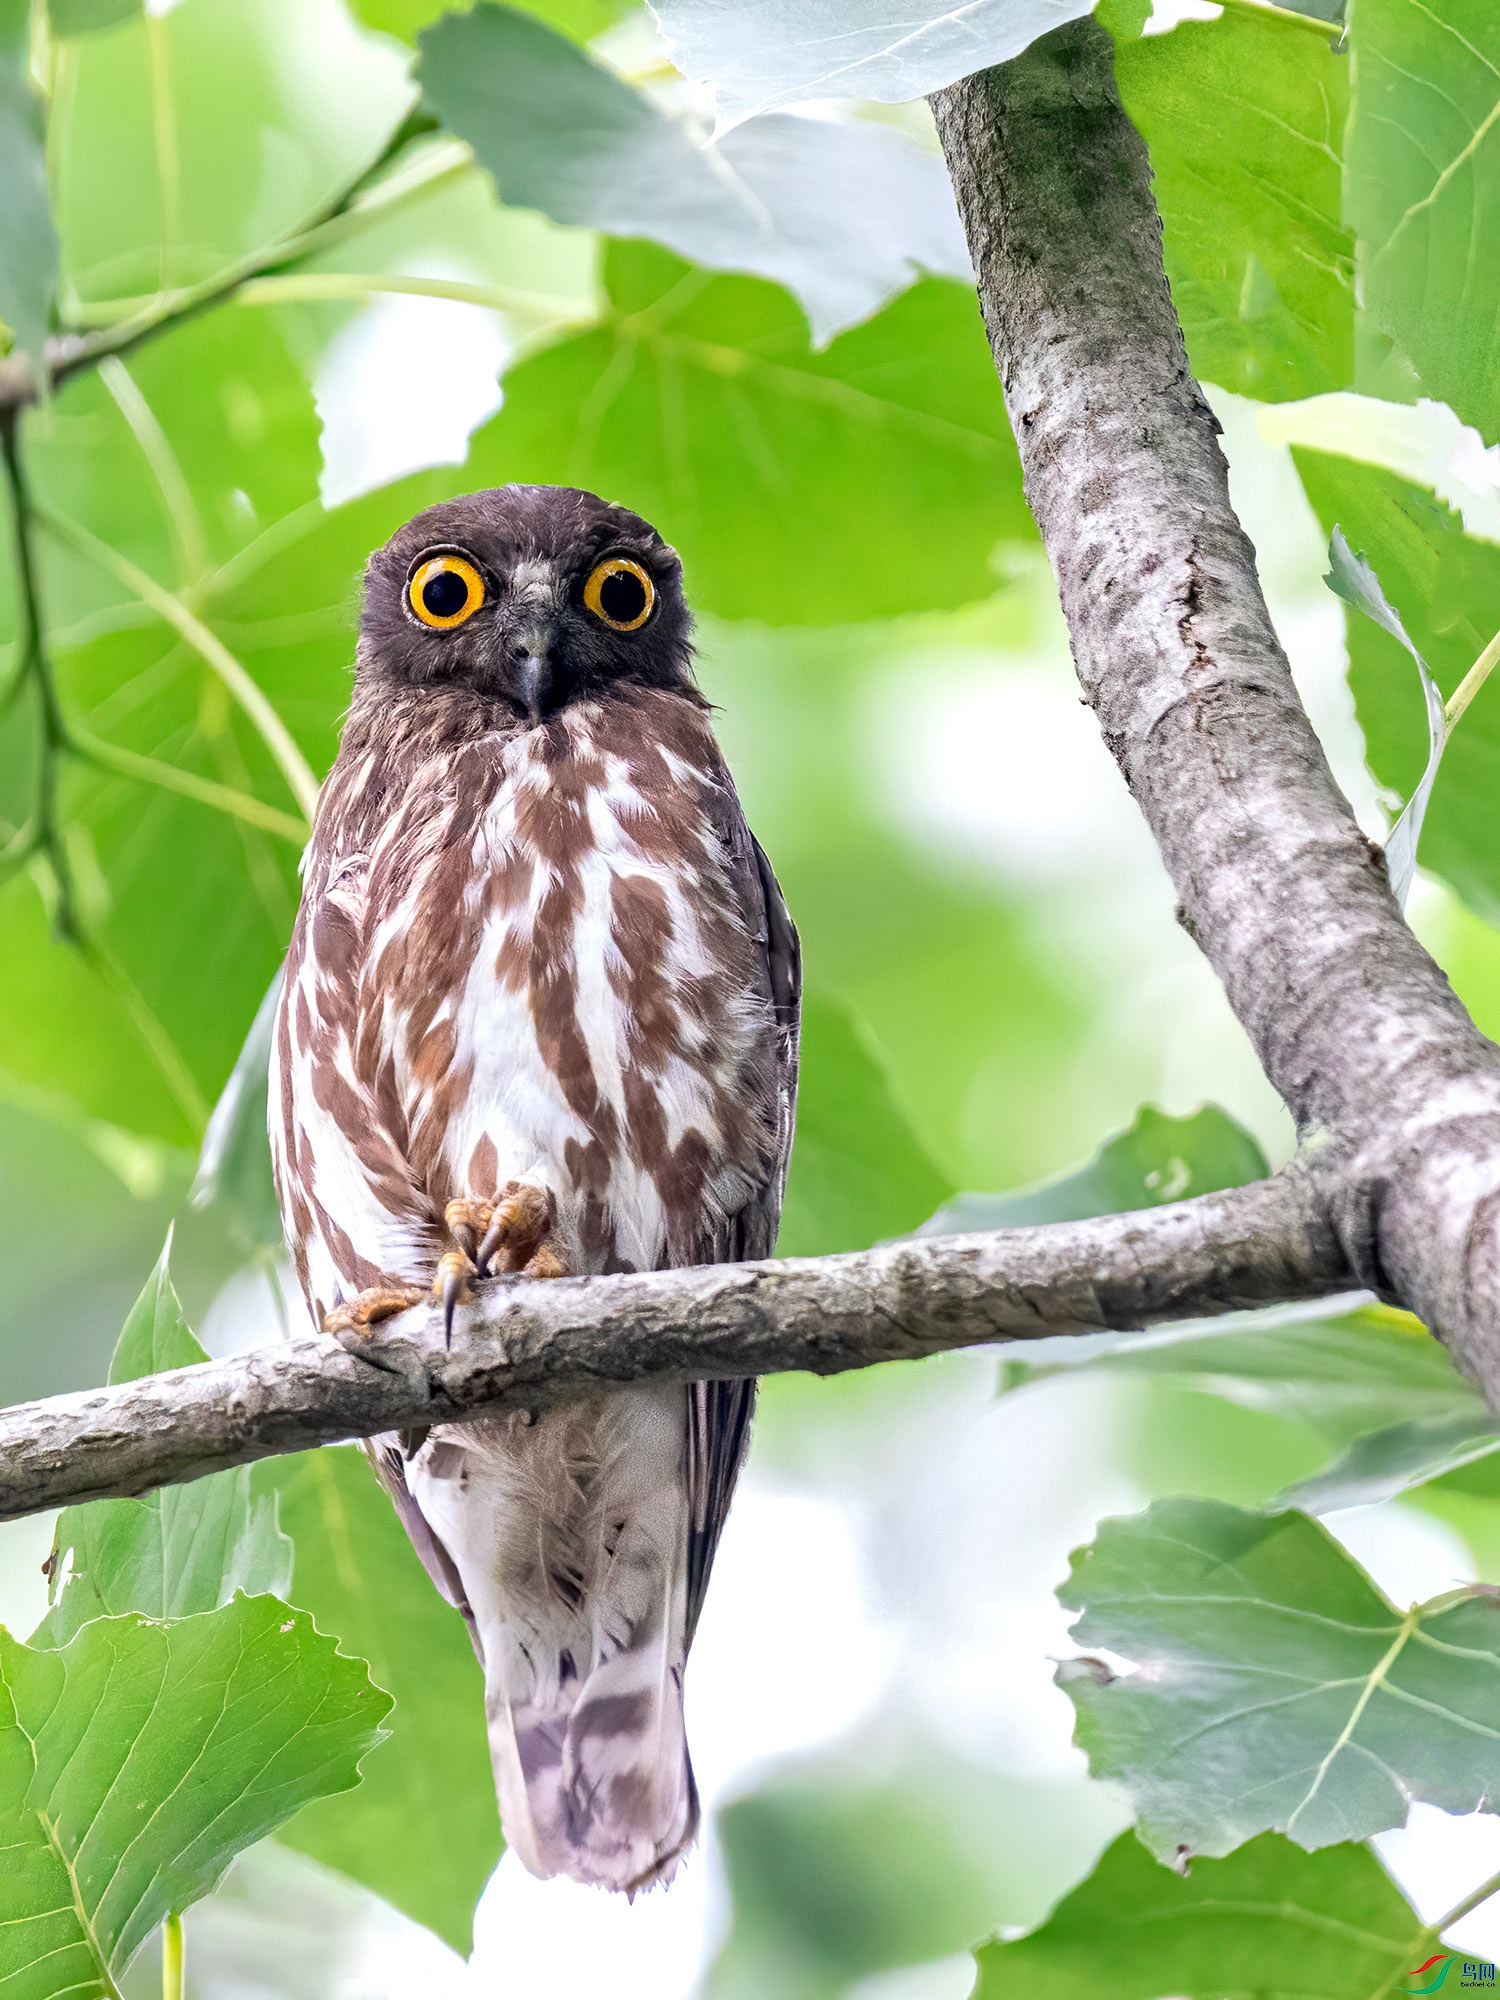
{"x":534,"y":595}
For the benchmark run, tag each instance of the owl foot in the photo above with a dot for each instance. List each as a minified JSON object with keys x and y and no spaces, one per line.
{"x":367,"y":1308}
{"x":547,"y":1263}
{"x":508,"y":1237}
{"x":519,"y":1226}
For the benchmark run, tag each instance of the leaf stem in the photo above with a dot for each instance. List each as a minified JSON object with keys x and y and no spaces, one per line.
{"x":206,"y":791}
{"x":273,"y":732}
{"x":1288,"y":17}
{"x":1471,"y":683}
{"x":360,"y":284}
{"x":171,"y":1958}
{"x":1460,"y":1910}
{"x":156,"y":448}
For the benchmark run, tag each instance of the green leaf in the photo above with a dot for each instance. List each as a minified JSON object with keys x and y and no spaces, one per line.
{"x":423,"y":1829}
{"x":87,"y":17}
{"x":1124,"y":18}
{"x":858,"y":1174}
{"x":182,"y":1549}
{"x":1424,"y":191}
{"x":778,"y":52}
{"x":140,"y":1759}
{"x":1244,"y":118}
{"x":1352,"y":578}
{"x":789,"y":481}
{"x":1343,"y":1373}
{"x":1269,"y":1920}
{"x":1445,"y":587}
{"x":843,"y":215}
{"x":155,"y":1336}
{"x":1157,"y":1159}
{"x":28,"y":240}
{"x":1383,"y":1463}
{"x":1273,"y":1687}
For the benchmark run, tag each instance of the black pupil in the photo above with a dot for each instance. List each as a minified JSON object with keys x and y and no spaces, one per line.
{"x":445,"y":594}
{"x":622,"y":596}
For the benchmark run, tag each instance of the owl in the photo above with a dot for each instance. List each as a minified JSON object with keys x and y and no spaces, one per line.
{"x":540,"y":1018}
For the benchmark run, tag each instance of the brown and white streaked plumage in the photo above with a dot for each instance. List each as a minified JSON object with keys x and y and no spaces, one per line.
{"x":541,"y":1008}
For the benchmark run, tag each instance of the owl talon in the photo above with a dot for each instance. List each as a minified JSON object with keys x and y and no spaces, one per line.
{"x":452,"y":1286}
{"x":547,"y":1263}
{"x":522,"y":1217}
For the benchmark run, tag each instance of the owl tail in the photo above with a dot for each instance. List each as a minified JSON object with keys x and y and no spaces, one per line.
{"x":595,"y":1782}
{"x":570,"y":1538}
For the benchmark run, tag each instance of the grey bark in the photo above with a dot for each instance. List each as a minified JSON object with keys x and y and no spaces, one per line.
{"x":1395,"y":1093}
{"x":525,"y":1345}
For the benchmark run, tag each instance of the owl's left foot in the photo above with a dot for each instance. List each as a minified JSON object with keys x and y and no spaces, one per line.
{"x":369,"y":1307}
{"x":511,"y":1236}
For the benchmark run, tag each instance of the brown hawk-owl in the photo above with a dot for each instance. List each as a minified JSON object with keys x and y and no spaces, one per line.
{"x":540,"y":1018}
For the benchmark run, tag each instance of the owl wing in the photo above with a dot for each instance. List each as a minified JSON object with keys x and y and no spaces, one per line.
{"x":719,"y":1412}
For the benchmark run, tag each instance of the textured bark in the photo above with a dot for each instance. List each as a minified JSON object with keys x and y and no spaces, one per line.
{"x":1395,"y":1093}
{"x":524,"y":1345}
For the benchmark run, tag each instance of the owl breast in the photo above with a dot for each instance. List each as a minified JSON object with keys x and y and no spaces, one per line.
{"x":522,"y":957}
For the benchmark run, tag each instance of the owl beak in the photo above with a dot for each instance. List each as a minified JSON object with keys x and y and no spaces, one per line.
{"x":533,"y":656}
{"x":533,"y":673}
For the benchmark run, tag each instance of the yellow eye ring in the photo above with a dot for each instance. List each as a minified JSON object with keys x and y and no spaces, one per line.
{"x":620,"y":593}
{"x":433,"y":592}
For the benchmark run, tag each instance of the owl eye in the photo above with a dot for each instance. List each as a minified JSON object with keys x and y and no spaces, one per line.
{"x":621,"y":593}
{"x":445,"y":591}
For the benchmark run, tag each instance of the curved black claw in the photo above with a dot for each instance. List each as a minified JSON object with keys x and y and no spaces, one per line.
{"x":452,"y":1287}
{"x":493,"y":1237}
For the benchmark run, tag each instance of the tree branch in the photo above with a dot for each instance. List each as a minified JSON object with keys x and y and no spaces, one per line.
{"x":526,"y":1345}
{"x":1395,"y":1093}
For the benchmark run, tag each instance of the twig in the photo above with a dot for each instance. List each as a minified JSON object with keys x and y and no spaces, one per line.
{"x":72,"y":353}
{"x":46,"y":836}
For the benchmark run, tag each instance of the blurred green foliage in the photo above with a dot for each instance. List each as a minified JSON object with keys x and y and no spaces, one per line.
{"x":841,"y":482}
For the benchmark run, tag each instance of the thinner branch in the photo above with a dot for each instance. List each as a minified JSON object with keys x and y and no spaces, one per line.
{"x":72,"y":353}
{"x":43,"y":836}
